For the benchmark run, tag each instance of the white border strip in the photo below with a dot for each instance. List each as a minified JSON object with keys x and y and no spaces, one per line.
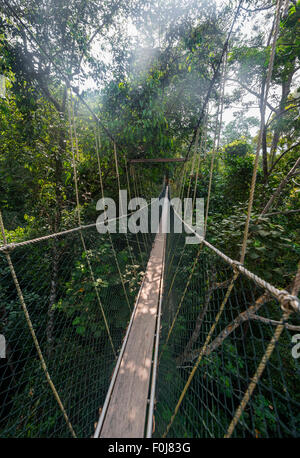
{"x":164,"y":219}
{"x":117,"y":367}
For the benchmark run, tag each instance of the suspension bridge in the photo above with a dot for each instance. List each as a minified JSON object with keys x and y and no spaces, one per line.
{"x":187,"y":364}
{"x":185,"y":341}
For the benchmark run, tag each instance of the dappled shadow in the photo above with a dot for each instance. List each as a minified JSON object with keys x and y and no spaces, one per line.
{"x":126,"y":413}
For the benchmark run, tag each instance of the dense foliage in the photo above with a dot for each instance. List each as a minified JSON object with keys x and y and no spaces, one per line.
{"x":144,"y":68}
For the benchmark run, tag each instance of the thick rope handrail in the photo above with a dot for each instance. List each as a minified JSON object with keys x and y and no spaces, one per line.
{"x":283,"y":296}
{"x":13,"y":245}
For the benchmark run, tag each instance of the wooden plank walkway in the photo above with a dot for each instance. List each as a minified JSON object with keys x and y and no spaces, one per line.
{"x":127,"y":403}
{"x":157,"y":160}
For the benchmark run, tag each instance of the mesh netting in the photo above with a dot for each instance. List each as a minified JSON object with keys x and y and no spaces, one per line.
{"x":79,"y":350}
{"x":191,"y":303}
{"x":61,"y":300}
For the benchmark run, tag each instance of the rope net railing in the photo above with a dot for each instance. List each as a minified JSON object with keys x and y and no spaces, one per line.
{"x":78,"y":333}
{"x":225,"y":365}
{"x":217,"y":325}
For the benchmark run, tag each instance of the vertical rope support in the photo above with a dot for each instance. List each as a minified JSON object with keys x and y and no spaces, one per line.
{"x":139,"y":188}
{"x":203,"y":134}
{"x":193,"y":161}
{"x":262,"y":121}
{"x":181,"y":192}
{"x":119,"y":189}
{"x":71,"y":124}
{"x":222,"y":96}
{"x":184,"y":174}
{"x":188,"y":193}
{"x":216,"y":140}
{"x":215,"y":144}
{"x":202,"y":352}
{"x":181,"y":300}
{"x":147,"y":235}
{"x":176,"y":271}
{"x":256,"y":377}
{"x":135,"y":193}
{"x":32,"y":332}
{"x":97,"y":142}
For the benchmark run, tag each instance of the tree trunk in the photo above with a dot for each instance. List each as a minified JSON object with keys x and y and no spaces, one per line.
{"x":285,"y":90}
{"x":265,"y":154}
{"x":197,"y":328}
{"x":58,"y":167}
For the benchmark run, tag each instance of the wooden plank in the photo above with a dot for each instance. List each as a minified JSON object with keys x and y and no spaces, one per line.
{"x":126,"y":411}
{"x":163,"y":159}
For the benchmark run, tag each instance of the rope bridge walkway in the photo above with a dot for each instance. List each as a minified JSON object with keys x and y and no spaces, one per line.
{"x":125,"y":407}
{"x":216,"y":319}
{"x":110,"y":336}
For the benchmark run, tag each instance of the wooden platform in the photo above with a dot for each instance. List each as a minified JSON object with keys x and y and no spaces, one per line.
{"x":158,"y":160}
{"x":126,"y":404}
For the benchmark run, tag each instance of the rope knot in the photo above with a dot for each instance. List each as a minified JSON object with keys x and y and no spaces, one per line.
{"x":5,"y":249}
{"x":235,"y":265}
{"x":288,"y":302}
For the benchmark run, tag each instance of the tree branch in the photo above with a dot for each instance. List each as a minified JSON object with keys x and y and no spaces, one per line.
{"x":197,"y":329}
{"x":213,"y":80}
{"x":257,"y":9}
{"x":281,"y":156}
{"x":282,"y":212}
{"x":241,"y":318}
{"x":251,"y":91}
{"x":291,"y":327}
{"x":248,"y":314}
{"x":280,"y":188}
